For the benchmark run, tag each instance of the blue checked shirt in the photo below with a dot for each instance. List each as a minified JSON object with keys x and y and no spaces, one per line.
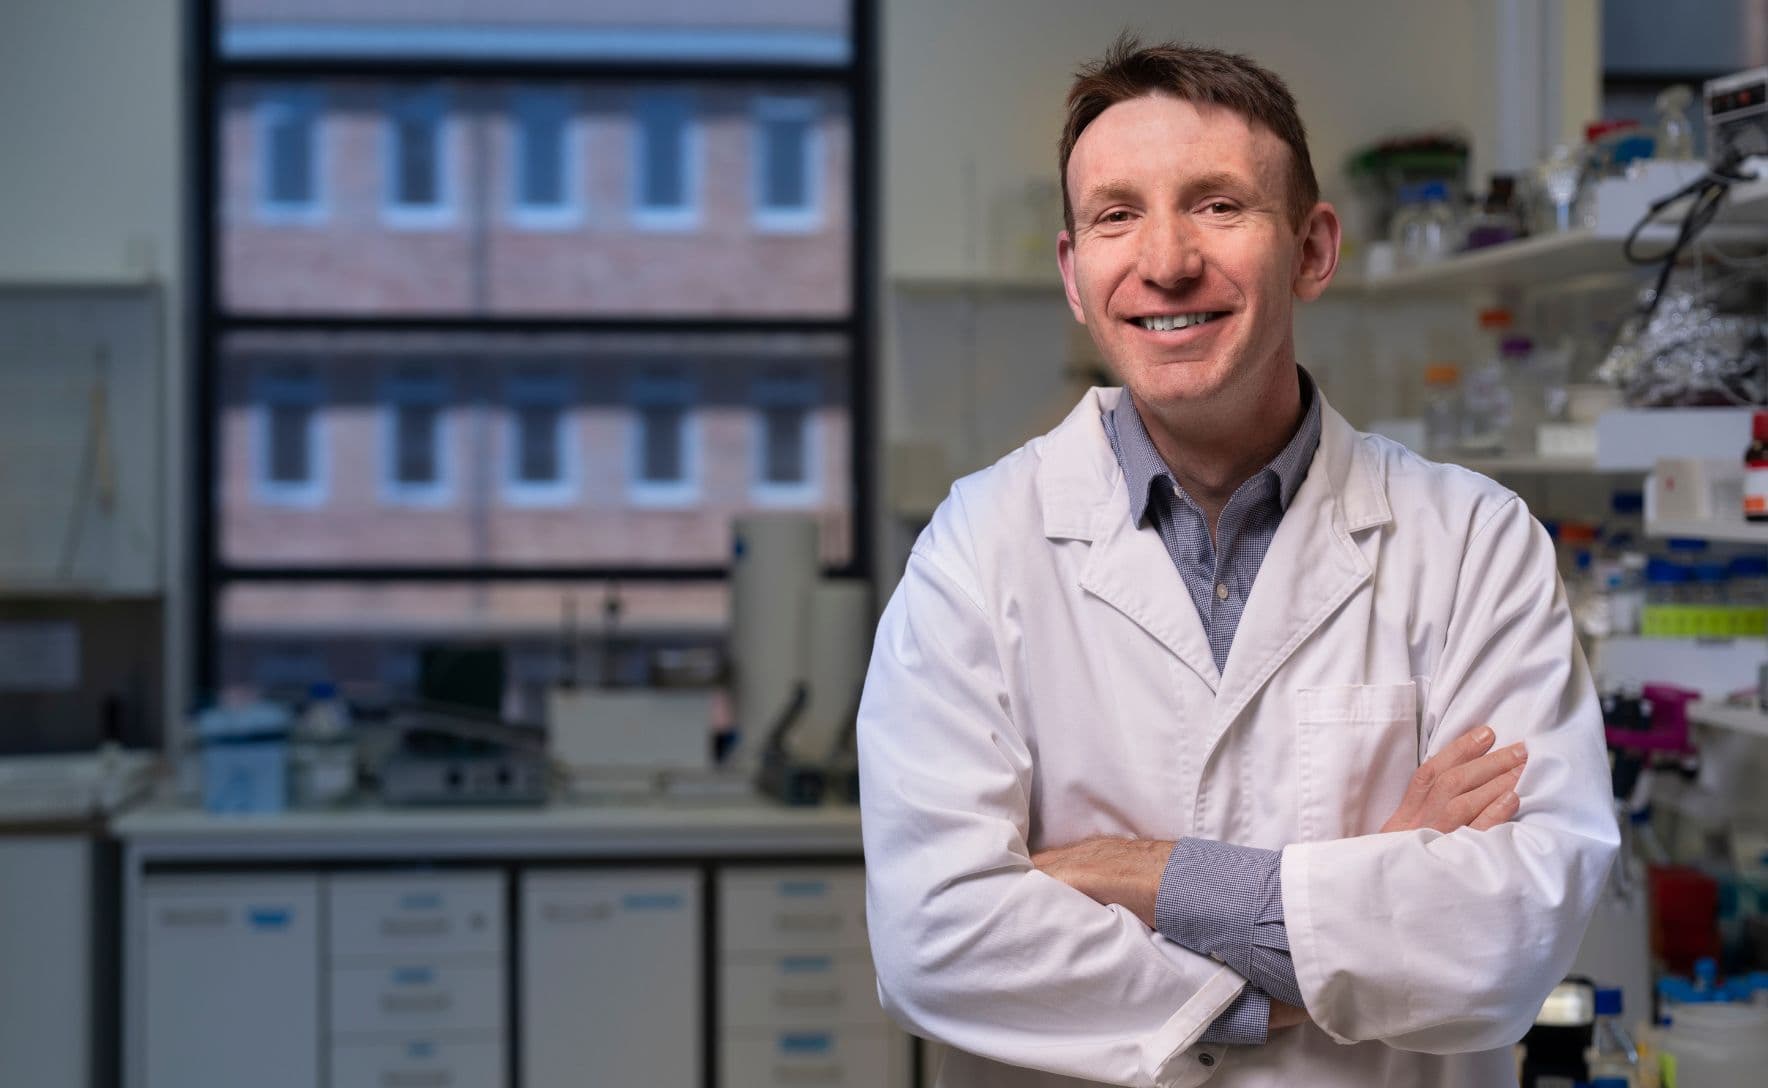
{"x":1215,"y":898}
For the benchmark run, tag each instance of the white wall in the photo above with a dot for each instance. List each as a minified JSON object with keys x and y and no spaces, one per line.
{"x":973,"y":91}
{"x":92,"y":187}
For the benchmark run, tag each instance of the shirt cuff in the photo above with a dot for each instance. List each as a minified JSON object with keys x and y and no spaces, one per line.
{"x":1226,"y":902}
{"x":1247,"y":1022}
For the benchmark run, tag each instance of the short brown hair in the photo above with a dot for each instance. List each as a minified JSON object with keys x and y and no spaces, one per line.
{"x":1131,"y":70}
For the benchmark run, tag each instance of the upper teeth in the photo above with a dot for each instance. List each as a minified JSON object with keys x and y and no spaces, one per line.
{"x":1173,"y":321}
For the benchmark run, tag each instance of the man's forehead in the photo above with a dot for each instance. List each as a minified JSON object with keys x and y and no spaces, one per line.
{"x":1124,"y":156}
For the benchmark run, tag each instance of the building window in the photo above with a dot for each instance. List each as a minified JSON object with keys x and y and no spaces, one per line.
{"x":414,"y":438}
{"x":665,"y":442}
{"x":788,"y":164}
{"x":665,"y":162}
{"x":289,"y":155}
{"x":545,"y":175}
{"x":288,"y":451}
{"x":538,"y":455}
{"x":417,"y":159}
{"x":786,"y":468}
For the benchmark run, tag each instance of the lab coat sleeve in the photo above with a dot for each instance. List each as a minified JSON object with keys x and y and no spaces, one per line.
{"x":1449,"y":943}
{"x":973,"y":946}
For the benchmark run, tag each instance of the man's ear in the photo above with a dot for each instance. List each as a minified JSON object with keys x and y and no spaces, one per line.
{"x":1065,"y":261}
{"x":1318,"y":259}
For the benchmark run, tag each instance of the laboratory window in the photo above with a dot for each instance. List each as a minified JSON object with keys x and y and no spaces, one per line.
{"x":414,"y":438}
{"x":288,"y":154}
{"x":787,"y":153}
{"x":665,"y":167}
{"x":538,"y":453}
{"x":287,"y":439}
{"x":665,"y":446}
{"x":785,"y":469}
{"x":417,"y":174}
{"x":545,"y":172}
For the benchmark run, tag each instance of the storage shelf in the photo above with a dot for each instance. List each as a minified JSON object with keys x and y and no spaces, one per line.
{"x":1741,"y":719}
{"x":1566,"y":259}
{"x":1731,"y":531}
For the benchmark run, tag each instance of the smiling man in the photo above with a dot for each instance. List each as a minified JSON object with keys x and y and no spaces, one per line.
{"x":1207,"y":738}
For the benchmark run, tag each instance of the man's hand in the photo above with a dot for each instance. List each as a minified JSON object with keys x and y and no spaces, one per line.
{"x":1463,"y":785}
{"x":1122,"y":871}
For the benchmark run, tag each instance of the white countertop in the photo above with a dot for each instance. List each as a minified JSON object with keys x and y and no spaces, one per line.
{"x":679,"y":828}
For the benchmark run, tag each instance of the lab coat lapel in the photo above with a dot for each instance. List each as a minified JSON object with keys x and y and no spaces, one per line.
{"x":1084,"y":498}
{"x":1131,"y":571}
{"x":1312,"y":567}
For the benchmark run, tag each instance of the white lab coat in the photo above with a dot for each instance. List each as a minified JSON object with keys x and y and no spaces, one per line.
{"x":1041,"y":676}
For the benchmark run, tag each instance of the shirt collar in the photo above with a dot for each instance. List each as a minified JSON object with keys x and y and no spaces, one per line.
{"x":1143,"y":466}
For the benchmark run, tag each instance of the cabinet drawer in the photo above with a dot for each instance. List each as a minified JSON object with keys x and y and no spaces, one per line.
{"x":417,"y":996}
{"x":823,"y":1057}
{"x":419,"y":1062}
{"x":374,"y":915}
{"x":783,"y":910}
{"x":799,"y":988}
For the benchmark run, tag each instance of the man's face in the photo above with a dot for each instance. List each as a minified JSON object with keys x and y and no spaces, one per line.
{"x":1182,"y":210}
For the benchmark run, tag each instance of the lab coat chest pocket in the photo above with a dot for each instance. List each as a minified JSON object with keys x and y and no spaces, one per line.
{"x":1356,"y":750}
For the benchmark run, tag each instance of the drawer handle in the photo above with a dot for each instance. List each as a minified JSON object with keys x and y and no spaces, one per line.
{"x":807,"y":921}
{"x":819,"y":1073}
{"x":193,"y":917}
{"x":413,"y":927}
{"x":416,"y":1078}
{"x":576,"y":913}
{"x":416,"y":1003}
{"x":800,"y":998}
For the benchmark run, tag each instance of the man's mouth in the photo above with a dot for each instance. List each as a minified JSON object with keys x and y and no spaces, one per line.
{"x":1173,"y":322}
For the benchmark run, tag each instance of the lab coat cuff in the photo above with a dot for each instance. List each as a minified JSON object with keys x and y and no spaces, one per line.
{"x":1304,"y":948}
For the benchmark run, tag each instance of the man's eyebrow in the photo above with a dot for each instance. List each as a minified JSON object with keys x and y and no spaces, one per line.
{"x":1108,"y":192}
{"x":1220,"y":181}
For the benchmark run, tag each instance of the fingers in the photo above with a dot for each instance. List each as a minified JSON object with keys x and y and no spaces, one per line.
{"x":1472,"y":775}
{"x":1500,"y":810}
{"x":1486,"y":802}
{"x":1469,"y":746}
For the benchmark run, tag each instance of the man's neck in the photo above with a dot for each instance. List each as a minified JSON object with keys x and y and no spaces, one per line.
{"x":1212,"y":451}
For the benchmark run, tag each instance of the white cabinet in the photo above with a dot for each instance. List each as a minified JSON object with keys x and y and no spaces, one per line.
{"x":611,"y":987}
{"x":798,"y":1002}
{"x":416,"y":979}
{"x":231,"y":981}
{"x":46,"y":952}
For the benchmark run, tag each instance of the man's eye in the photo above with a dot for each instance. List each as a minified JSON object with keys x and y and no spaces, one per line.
{"x":1219,"y":207}
{"x":1118,"y":216}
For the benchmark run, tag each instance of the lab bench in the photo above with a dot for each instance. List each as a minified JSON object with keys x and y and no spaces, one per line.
{"x":718,"y":945}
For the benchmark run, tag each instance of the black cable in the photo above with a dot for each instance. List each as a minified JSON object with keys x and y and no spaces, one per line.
{"x":1708,"y":192}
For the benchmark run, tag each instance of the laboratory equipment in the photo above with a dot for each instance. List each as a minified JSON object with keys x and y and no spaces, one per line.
{"x":1424,"y":227}
{"x":1716,"y":1045}
{"x":600,"y":736}
{"x":1496,"y":221}
{"x":1674,"y":136}
{"x":1558,"y":182}
{"x":1755,"y":470}
{"x":244,"y":758}
{"x":1737,"y":116}
{"x":774,"y":568}
{"x":1526,"y":394}
{"x":1612,"y":1053}
{"x":1485,"y":399}
{"x":446,"y":757}
{"x":1554,"y":1047}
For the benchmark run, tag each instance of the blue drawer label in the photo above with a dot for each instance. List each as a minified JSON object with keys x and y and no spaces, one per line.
{"x":806,"y":1042}
{"x":422,"y":1048}
{"x":653,"y":901}
{"x":806,"y":965}
{"x":804,"y":889}
{"x":269,"y":917}
{"x":413,"y":976}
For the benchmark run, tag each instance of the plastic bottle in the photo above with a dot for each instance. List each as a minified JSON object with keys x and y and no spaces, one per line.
{"x":324,"y":752}
{"x":1625,"y":525}
{"x":1424,"y":227}
{"x":1611,"y":1055}
{"x":1442,"y":409}
{"x":1755,"y":470}
{"x":1526,"y":394}
{"x":1485,"y":400}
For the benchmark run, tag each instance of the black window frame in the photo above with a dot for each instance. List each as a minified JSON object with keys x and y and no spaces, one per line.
{"x":212,"y":575}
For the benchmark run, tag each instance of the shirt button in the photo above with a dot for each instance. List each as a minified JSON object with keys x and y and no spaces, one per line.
{"x":1221,"y":591}
{"x":1206,"y":1059}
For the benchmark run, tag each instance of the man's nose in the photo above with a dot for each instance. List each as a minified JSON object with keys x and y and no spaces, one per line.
{"x":1169,"y":252}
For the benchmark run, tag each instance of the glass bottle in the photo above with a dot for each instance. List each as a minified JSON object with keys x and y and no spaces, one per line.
{"x":1442,"y":409}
